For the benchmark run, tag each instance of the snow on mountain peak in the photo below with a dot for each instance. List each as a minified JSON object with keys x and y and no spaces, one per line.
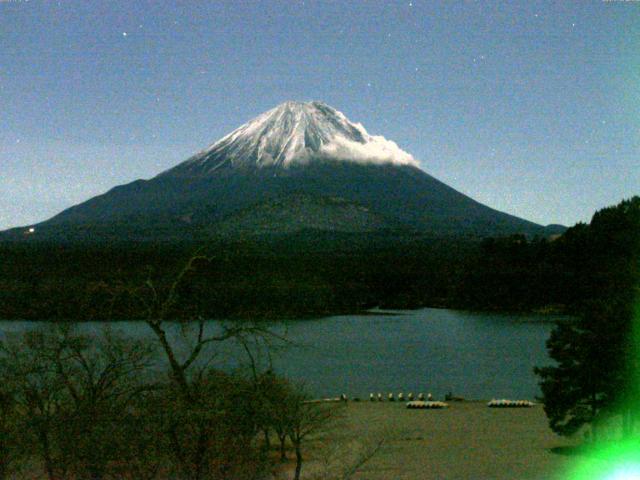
{"x":294,"y":133}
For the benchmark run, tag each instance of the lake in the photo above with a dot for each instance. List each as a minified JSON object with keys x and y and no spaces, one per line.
{"x":473,"y":355}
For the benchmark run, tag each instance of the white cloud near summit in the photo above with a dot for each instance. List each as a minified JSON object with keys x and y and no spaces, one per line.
{"x":376,"y":149}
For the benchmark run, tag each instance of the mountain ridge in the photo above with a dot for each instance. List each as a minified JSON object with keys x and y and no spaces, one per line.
{"x":295,"y":150}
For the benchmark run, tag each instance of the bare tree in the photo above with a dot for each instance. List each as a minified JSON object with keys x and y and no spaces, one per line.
{"x":343,"y":460}
{"x":90,"y":410}
{"x":103,"y":379}
{"x":275,"y":395}
{"x":305,"y":419}
{"x":204,"y":434}
{"x":12,"y":448}
{"x":179,"y":304}
{"x":143,"y":457}
{"x":269,"y":391}
{"x":201,"y":426}
{"x":39,"y":394}
{"x":74,"y":390}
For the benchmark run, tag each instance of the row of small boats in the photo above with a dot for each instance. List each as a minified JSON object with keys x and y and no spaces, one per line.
{"x":401,"y":398}
{"x":428,"y":402}
{"x":504,"y":403}
{"x":420,"y":404}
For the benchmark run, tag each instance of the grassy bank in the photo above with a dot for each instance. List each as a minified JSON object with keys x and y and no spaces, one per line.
{"x":466,"y":441}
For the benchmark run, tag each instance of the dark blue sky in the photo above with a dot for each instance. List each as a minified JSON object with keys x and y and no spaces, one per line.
{"x":529,"y":107}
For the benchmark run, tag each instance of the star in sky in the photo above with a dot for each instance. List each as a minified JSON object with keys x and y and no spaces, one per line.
{"x":517,"y":104}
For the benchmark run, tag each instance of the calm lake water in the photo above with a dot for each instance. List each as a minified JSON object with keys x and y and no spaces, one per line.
{"x":477,"y":356}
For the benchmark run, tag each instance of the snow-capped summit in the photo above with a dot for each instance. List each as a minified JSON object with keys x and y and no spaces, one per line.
{"x":294,"y":133}
{"x":300,"y":167}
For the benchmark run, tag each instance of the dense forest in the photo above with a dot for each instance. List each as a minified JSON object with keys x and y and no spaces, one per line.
{"x":314,"y":273}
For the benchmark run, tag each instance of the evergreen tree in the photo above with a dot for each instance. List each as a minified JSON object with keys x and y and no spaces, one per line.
{"x":596,"y":369}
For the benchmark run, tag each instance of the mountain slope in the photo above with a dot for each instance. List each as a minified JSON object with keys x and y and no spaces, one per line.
{"x":297,"y":166}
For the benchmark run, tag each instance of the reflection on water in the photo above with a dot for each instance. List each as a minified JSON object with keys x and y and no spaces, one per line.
{"x":430,"y":350}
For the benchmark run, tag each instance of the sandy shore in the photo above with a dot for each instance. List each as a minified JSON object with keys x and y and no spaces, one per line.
{"x":466,"y":441}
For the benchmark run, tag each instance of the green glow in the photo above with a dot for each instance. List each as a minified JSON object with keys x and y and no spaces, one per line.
{"x":615,"y":461}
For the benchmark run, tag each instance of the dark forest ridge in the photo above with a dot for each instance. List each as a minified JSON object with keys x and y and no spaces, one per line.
{"x":298,"y":167}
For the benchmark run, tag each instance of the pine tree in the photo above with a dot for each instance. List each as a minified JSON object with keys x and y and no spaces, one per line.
{"x":596,"y":372}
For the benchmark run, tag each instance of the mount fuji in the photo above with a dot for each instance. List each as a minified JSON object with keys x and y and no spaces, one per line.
{"x":299,"y":167}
